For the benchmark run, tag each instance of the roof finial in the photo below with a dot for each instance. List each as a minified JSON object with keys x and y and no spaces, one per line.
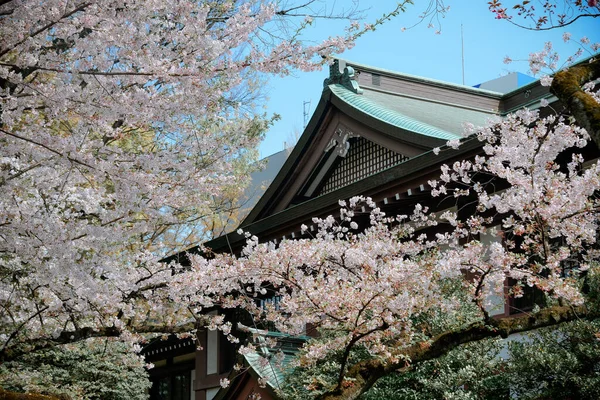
{"x":346,"y":79}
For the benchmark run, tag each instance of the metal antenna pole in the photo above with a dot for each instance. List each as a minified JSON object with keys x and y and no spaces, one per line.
{"x":462,"y":45}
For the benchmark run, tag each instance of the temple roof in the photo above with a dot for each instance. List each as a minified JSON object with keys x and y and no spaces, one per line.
{"x":390,"y":112}
{"x":379,"y":110}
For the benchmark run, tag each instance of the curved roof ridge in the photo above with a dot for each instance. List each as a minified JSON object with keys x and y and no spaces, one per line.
{"x":438,"y":82}
{"x":392,"y":117}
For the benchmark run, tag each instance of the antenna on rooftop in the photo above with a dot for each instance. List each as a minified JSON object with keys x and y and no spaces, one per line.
{"x":462,"y":52}
{"x":305,"y":112}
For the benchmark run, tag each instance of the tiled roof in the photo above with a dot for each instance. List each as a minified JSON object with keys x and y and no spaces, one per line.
{"x":271,"y":367}
{"x":387,"y":115}
{"x":273,"y":364}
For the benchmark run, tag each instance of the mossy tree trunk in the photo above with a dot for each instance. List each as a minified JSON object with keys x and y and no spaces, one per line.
{"x":6,"y":395}
{"x":568,"y":84}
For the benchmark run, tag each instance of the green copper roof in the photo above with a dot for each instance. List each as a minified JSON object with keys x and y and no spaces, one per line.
{"x":273,"y":364}
{"x":271,"y":367}
{"x":394,"y":118}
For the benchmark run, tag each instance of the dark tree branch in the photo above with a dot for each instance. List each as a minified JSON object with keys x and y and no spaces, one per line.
{"x":68,"y":157}
{"x":350,"y":346}
{"x":559,"y":25}
{"x":66,"y":337}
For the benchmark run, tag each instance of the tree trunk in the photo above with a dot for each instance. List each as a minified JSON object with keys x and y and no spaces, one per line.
{"x":5,"y":395}
{"x":567,"y":86}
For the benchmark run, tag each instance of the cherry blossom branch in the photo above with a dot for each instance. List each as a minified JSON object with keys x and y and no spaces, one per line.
{"x":299,"y":6}
{"x":77,"y":335}
{"x":547,"y":28}
{"x":355,"y":339}
{"x":21,"y":172}
{"x":50,"y":149}
{"x":478,"y":294}
{"x":49,"y":25}
{"x":16,"y":331}
{"x":105,"y":73}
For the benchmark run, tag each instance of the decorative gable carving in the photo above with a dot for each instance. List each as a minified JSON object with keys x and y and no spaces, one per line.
{"x":346,"y":159}
{"x":340,"y":142}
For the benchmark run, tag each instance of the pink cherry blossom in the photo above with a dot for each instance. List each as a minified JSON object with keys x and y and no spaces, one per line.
{"x":126,"y":128}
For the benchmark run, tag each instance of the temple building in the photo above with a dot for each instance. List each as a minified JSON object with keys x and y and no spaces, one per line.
{"x":373,"y":133}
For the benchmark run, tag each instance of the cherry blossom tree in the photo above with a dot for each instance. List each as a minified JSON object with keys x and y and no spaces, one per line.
{"x":123,"y":127}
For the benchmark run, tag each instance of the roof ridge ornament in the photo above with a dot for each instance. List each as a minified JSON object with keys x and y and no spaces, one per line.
{"x":346,"y":78}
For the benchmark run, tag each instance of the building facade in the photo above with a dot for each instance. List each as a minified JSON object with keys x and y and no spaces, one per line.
{"x":373,"y":133}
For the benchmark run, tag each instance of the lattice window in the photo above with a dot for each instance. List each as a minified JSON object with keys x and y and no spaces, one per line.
{"x":364,"y":158}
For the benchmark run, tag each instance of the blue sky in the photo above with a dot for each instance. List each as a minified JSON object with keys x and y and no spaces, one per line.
{"x":418,"y":51}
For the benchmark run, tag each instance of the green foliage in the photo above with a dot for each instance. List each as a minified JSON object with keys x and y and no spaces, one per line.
{"x":470,"y":372}
{"x":554,"y":363}
{"x":439,"y":320}
{"x":557,"y":363}
{"x":561,"y":363}
{"x":91,"y":370}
